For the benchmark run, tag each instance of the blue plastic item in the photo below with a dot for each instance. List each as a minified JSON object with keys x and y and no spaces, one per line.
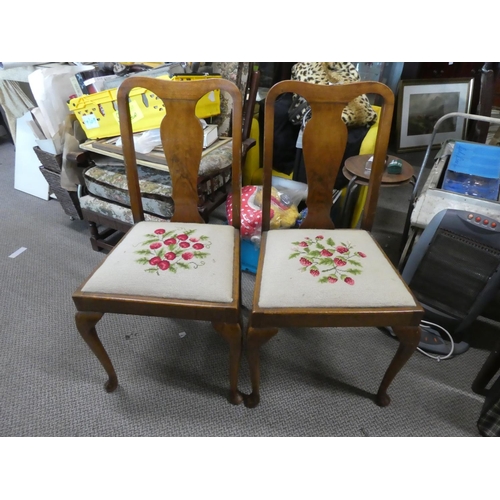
{"x":474,"y":170}
{"x":249,"y":256}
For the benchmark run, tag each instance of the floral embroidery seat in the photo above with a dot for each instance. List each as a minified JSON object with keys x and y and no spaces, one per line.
{"x":170,"y":260}
{"x":328,"y":268}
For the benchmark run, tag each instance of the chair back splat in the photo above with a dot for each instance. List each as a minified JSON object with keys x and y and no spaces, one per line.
{"x":324,"y":142}
{"x":183,"y":268}
{"x":182,"y":139}
{"x":317,"y":275}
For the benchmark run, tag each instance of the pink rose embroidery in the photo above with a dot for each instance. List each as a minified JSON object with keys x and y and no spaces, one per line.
{"x":326,"y":260}
{"x":165,"y":250}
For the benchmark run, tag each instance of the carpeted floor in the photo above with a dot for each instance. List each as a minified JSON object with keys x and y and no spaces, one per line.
{"x":315,"y":382}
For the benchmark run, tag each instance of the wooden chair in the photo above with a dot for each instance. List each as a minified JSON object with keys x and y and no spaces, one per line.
{"x":316,"y":275}
{"x":184,"y":268}
{"x":103,"y":199}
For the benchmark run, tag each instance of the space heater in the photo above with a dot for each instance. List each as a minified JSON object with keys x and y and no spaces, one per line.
{"x":453,"y":270}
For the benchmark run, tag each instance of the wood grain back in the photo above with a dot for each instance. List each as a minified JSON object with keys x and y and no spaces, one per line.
{"x":182,"y":140}
{"x":324,"y":141}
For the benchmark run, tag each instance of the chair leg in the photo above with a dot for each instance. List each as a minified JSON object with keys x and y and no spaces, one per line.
{"x":233,"y":334}
{"x":94,"y":236}
{"x":85,"y":323}
{"x":409,"y":338}
{"x":487,"y":371}
{"x":256,"y":337}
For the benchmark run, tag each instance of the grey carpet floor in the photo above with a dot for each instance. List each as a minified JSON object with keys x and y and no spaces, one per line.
{"x":315,"y":382}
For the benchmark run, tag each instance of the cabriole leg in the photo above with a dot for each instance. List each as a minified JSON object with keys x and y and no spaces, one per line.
{"x":255,"y":338}
{"x":233,"y":334}
{"x":85,"y":322}
{"x":409,"y":338}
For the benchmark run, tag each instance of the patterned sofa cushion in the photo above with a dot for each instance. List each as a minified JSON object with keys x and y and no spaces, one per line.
{"x":109,"y":182}
{"x":113,"y":210}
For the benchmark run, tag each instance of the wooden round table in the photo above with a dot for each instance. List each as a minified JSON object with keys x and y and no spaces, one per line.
{"x":355,"y":167}
{"x":354,"y":171}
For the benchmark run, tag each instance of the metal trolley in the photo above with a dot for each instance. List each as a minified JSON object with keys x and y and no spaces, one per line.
{"x":428,"y":200}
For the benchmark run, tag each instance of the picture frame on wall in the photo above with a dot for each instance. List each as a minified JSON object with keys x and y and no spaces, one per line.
{"x":420,"y":105}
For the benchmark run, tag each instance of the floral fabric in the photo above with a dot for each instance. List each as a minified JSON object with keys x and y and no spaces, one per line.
{"x":109,"y":182}
{"x":328,"y":268}
{"x":113,"y":210}
{"x":175,"y":250}
{"x":236,"y":72}
{"x":329,"y":261}
{"x":123,"y":272}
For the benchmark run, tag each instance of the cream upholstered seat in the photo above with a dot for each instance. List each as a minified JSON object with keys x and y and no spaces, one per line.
{"x":184,"y":268}
{"x":170,"y":260}
{"x":319,"y":276}
{"x":328,"y":268}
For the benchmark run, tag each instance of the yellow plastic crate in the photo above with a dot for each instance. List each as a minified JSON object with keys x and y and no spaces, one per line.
{"x":98,"y":113}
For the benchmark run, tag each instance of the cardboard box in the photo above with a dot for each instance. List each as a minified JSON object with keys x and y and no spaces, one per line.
{"x":210,"y":135}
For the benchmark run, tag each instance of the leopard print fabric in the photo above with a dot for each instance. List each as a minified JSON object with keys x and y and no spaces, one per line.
{"x":357,"y":113}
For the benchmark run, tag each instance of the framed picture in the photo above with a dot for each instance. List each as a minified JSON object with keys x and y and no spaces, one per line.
{"x":420,"y":105}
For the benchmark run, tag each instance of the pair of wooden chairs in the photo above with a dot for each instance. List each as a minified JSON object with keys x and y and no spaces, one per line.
{"x":315,"y":276}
